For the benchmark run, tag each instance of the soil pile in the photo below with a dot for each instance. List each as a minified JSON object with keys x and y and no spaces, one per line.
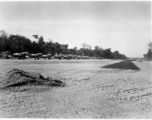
{"x":123,"y":65}
{"x":18,"y":78}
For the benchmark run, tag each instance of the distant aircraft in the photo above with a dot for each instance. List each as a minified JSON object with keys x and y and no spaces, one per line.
{"x":56,"y":56}
{"x":65,"y":56}
{"x":79,"y":57}
{"x":6,"y":55}
{"x":47,"y":56}
{"x":71,"y":56}
{"x":36,"y":56}
{"x":20,"y":55}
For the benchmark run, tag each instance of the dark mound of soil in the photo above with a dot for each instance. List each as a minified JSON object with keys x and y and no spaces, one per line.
{"x":18,"y":78}
{"x":123,"y":65}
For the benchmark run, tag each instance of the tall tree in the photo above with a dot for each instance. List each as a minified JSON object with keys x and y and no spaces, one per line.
{"x":36,"y":37}
{"x":3,"y":40}
{"x":116,"y":54}
{"x":41,"y":44}
{"x":150,"y":45}
{"x":108,"y":53}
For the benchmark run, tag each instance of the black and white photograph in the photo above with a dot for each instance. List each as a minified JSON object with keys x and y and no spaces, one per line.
{"x":76,"y":59}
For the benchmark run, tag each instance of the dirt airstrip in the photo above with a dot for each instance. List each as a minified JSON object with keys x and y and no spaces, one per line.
{"x":92,"y":90}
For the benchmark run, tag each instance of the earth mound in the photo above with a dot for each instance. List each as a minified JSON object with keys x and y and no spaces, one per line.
{"x":123,"y":65}
{"x":19,"y":78}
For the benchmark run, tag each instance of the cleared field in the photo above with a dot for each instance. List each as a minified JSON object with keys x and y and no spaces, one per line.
{"x":91,"y":92}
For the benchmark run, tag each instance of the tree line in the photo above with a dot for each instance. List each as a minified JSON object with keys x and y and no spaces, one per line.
{"x":148,"y":55}
{"x":18,"y":43}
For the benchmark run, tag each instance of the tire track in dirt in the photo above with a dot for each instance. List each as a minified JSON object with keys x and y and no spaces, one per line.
{"x":106,"y":94}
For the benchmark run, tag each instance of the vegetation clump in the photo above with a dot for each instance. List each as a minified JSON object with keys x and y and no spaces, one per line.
{"x":148,"y":55}
{"x":19,"y":78}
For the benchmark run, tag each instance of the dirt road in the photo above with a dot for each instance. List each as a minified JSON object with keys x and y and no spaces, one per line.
{"x":91,"y":92}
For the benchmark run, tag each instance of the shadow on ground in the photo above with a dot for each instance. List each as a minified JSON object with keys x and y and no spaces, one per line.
{"x":123,"y":65}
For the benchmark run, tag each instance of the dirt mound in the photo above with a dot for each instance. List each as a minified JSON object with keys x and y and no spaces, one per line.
{"x":123,"y":65}
{"x":18,"y":78}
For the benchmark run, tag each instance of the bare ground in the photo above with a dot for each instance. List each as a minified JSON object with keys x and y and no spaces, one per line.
{"x":91,"y":92}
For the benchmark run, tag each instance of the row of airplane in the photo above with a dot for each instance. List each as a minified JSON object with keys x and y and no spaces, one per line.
{"x":71,"y":56}
{"x":25,"y":55}
{"x":37,"y":56}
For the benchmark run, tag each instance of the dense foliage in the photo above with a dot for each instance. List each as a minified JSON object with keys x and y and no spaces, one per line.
{"x":18,"y":43}
{"x":149,"y":53}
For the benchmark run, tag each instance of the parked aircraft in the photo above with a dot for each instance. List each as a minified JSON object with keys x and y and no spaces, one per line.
{"x":20,"y":55}
{"x":79,"y":57}
{"x":46,"y":56}
{"x":58,"y":56}
{"x":36,"y":56}
{"x":71,"y":56}
{"x":65,"y":56}
{"x":6,"y":55}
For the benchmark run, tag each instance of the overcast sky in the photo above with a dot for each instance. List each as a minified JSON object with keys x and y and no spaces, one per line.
{"x":123,"y":26}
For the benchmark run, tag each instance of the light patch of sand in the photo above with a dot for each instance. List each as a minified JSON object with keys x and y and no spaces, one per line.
{"x":91,"y":92}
